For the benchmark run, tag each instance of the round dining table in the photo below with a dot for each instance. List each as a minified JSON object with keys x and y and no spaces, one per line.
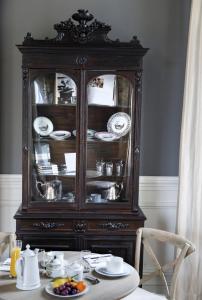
{"x":108,"y":288}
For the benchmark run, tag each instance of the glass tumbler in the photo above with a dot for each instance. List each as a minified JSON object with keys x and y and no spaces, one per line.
{"x":119,"y":168}
{"x":109,"y":168}
{"x":83,"y":255}
{"x":15,"y":254}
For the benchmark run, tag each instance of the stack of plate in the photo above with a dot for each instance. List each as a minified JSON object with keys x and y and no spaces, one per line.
{"x":47,"y":169}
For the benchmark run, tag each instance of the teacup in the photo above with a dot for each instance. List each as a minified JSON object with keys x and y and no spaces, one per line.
{"x":47,"y":257}
{"x":115,"y":265}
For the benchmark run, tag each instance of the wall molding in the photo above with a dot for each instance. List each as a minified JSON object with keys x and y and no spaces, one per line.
{"x":153,"y":190}
{"x":10,"y":189}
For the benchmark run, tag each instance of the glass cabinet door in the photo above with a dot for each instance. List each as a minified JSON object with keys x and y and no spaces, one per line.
{"x":54,"y":151}
{"x":108,"y":139}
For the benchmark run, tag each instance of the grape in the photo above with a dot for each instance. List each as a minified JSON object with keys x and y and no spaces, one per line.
{"x":74,"y":291}
{"x":64,"y":293}
{"x":56,"y":291}
{"x":67,"y":284}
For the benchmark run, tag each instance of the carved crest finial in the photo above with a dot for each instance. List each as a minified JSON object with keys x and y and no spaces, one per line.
{"x":82,"y":16}
{"x":82,"y":32}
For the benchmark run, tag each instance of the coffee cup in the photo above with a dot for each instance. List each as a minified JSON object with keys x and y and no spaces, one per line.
{"x":115,"y":265}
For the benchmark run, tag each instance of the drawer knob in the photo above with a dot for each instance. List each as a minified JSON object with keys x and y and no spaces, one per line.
{"x":80,"y":227}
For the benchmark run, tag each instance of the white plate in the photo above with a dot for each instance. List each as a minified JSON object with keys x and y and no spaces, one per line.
{"x":119,"y":124}
{"x":60,"y":135}
{"x":106,"y":136}
{"x":103,"y":271}
{"x":43,"y":126}
{"x":49,"y":290}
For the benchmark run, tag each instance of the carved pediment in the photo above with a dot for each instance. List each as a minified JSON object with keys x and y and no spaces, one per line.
{"x":81,"y":29}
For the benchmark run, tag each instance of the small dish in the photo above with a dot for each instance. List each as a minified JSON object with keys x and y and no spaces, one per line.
{"x":43,"y":126}
{"x":106,"y":136}
{"x":119,"y":124}
{"x":60,"y":135}
{"x":90,"y":133}
{"x":101,"y":269}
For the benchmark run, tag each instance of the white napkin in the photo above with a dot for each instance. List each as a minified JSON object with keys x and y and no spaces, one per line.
{"x":5,"y":266}
{"x":94,"y":260}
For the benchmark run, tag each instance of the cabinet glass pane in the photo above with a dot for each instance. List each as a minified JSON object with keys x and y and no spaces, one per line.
{"x":108,"y":139}
{"x":53,"y":142}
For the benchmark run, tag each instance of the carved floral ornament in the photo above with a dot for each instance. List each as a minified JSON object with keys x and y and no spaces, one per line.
{"x":81,"y":29}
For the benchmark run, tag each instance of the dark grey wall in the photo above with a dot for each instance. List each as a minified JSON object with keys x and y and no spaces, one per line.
{"x":161,"y":25}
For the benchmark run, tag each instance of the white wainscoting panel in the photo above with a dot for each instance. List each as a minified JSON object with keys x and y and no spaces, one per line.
{"x":158,"y":200}
{"x":157,"y":197}
{"x":10,"y":199}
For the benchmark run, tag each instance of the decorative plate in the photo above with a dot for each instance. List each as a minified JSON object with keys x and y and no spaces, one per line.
{"x":60,"y":135}
{"x":119,"y":124}
{"x":43,"y":126}
{"x":49,"y":290}
{"x":106,"y":136}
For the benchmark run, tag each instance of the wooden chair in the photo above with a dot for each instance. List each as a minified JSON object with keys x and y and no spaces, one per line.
{"x":7,"y":240}
{"x":184,"y":247}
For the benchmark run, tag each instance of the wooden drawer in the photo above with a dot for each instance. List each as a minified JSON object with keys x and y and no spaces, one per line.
{"x":45,"y":225}
{"x":115,"y":226}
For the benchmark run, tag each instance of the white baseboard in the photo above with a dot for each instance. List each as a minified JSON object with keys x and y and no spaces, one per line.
{"x":157,"y":198}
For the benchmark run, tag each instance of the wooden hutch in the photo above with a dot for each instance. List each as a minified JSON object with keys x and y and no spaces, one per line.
{"x":81,"y":139}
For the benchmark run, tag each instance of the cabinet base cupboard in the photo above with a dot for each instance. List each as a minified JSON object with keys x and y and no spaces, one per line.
{"x":81,"y":139}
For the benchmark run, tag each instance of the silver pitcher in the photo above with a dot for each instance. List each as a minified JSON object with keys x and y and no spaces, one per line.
{"x":51,"y":190}
{"x":112,"y":193}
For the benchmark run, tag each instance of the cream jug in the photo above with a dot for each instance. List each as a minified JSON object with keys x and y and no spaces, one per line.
{"x":27,"y":270}
{"x":52,"y":190}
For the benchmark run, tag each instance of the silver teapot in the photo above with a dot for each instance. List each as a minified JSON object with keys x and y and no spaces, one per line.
{"x":51,"y":190}
{"x":113,"y":192}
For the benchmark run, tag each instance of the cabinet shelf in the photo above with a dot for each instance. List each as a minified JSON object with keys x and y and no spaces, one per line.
{"x":53,"y":105}
{"x":73,"y":140}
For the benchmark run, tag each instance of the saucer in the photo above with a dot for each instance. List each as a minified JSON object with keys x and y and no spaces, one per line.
{"x":106,"y":136}
{"x":102,"y":270}
{"x":60,"y":135}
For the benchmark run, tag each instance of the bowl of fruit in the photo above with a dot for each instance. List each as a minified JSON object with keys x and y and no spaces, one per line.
{"x":66,"y":287}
